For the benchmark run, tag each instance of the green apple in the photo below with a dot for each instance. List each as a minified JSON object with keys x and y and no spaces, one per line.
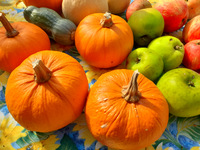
{"x":170,"y":48}
{"x":146,"y":62}
{"x":146,"y":24}
{"x":181,"y":88}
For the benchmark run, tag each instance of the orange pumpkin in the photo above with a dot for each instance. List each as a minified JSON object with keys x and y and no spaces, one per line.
{"x":18,"y":40}
{"x":125,"y":110}
{"x":47,"y":91}
{"x":104,"y":40}
{"x":52,"y":4}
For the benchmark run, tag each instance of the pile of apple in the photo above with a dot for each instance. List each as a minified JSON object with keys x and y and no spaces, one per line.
{"x":167,"y":41}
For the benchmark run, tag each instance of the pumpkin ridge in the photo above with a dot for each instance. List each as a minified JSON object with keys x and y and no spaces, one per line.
{"x":91,"y":37}
{"x":138,"y":125}
{"x":40,"y":86}
{"x":61,"y":124}
{"x":122,"y":110}
{"x":136,"y":117}
{"x":104,"y":42}
{"x":55,"y":89}
{"x":114,"y":118}
{"x":61,"y":95}
{"x":134,"y":111}
{"x":159,"y":123}
{"x":153,"y":98}
{"x":27,"y":95}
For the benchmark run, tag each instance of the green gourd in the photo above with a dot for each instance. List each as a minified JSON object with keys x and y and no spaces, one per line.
{"x":59,"y":29}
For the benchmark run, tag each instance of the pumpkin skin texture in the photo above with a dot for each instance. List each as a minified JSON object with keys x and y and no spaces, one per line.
{"x":50,"y":100}
{"x":119,"y":123}
{"x":52,"y":4}
{"x":28,"y":40}
{"x":76,"y":10}
{"x":104,"y":40}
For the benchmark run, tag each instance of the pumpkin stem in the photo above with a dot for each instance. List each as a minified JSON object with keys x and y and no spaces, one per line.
{"x":130,"y":92}
{"x":106,"y":21}
{"x":42,"y":73}
{"x":10,"y":31}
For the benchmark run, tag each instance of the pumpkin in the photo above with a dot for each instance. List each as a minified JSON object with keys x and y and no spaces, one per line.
{"x":118,"y":6}
{"x":104,"y":40}
{"x":47,"y":91}
{"x":59,"y":29}
{"x":18,"y":40}
{"x":76,"y":10}
{"x":52,"y":4}
{"x":126,"y":110}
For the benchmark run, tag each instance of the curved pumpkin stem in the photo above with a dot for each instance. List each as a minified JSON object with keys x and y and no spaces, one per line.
{"x":106,"y":21}
{"x":42,"y":73}
{"x":10,"y":31}
{"x":130,"y":92}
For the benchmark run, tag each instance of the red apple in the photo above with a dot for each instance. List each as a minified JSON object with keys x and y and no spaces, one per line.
{"x":191,"y":31}
{"x":175,"y":13}
{"x":137,"y":5}
{"x":193,"y":7}
{"x":191,"y":58}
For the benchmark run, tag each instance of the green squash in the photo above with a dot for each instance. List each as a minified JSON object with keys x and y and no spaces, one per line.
{"x":59,"y":29}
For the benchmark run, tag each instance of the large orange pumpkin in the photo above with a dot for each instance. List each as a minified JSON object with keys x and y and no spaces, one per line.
{"x":18,"y":40}
{"x":104,"y":40}
{"x":52,"y":4}
{"x":125,"y":110}
{"x":47,"y":91}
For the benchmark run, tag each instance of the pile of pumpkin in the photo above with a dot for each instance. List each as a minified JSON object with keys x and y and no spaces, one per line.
{"x":48,"y":90}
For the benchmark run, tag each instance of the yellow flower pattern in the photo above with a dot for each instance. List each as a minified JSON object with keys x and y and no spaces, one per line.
{"x":195,"y":148}
{"x":83,"y":130}
{"x":94,"y":73}
{"x":13,"y":14}
{"x":9,"y":132}
{"x":48,"y":144}
{"x":3,"y":79}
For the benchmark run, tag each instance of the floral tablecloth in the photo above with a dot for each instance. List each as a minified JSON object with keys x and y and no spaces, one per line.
{"x":180,"y":134}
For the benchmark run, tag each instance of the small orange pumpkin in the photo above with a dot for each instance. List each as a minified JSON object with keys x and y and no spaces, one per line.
{"x":104,"y":40}
{"x":52,"y":4}
{"x":18,"y":40}
{"x":47,"y":91}
{"x":126,"y":110}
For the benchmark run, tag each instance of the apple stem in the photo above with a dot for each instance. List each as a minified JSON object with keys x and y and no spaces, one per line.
{"x":138,"y":60}
{"x":130,"y":92}
{"x":191,"y":84}
{"x":177,"y":47}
